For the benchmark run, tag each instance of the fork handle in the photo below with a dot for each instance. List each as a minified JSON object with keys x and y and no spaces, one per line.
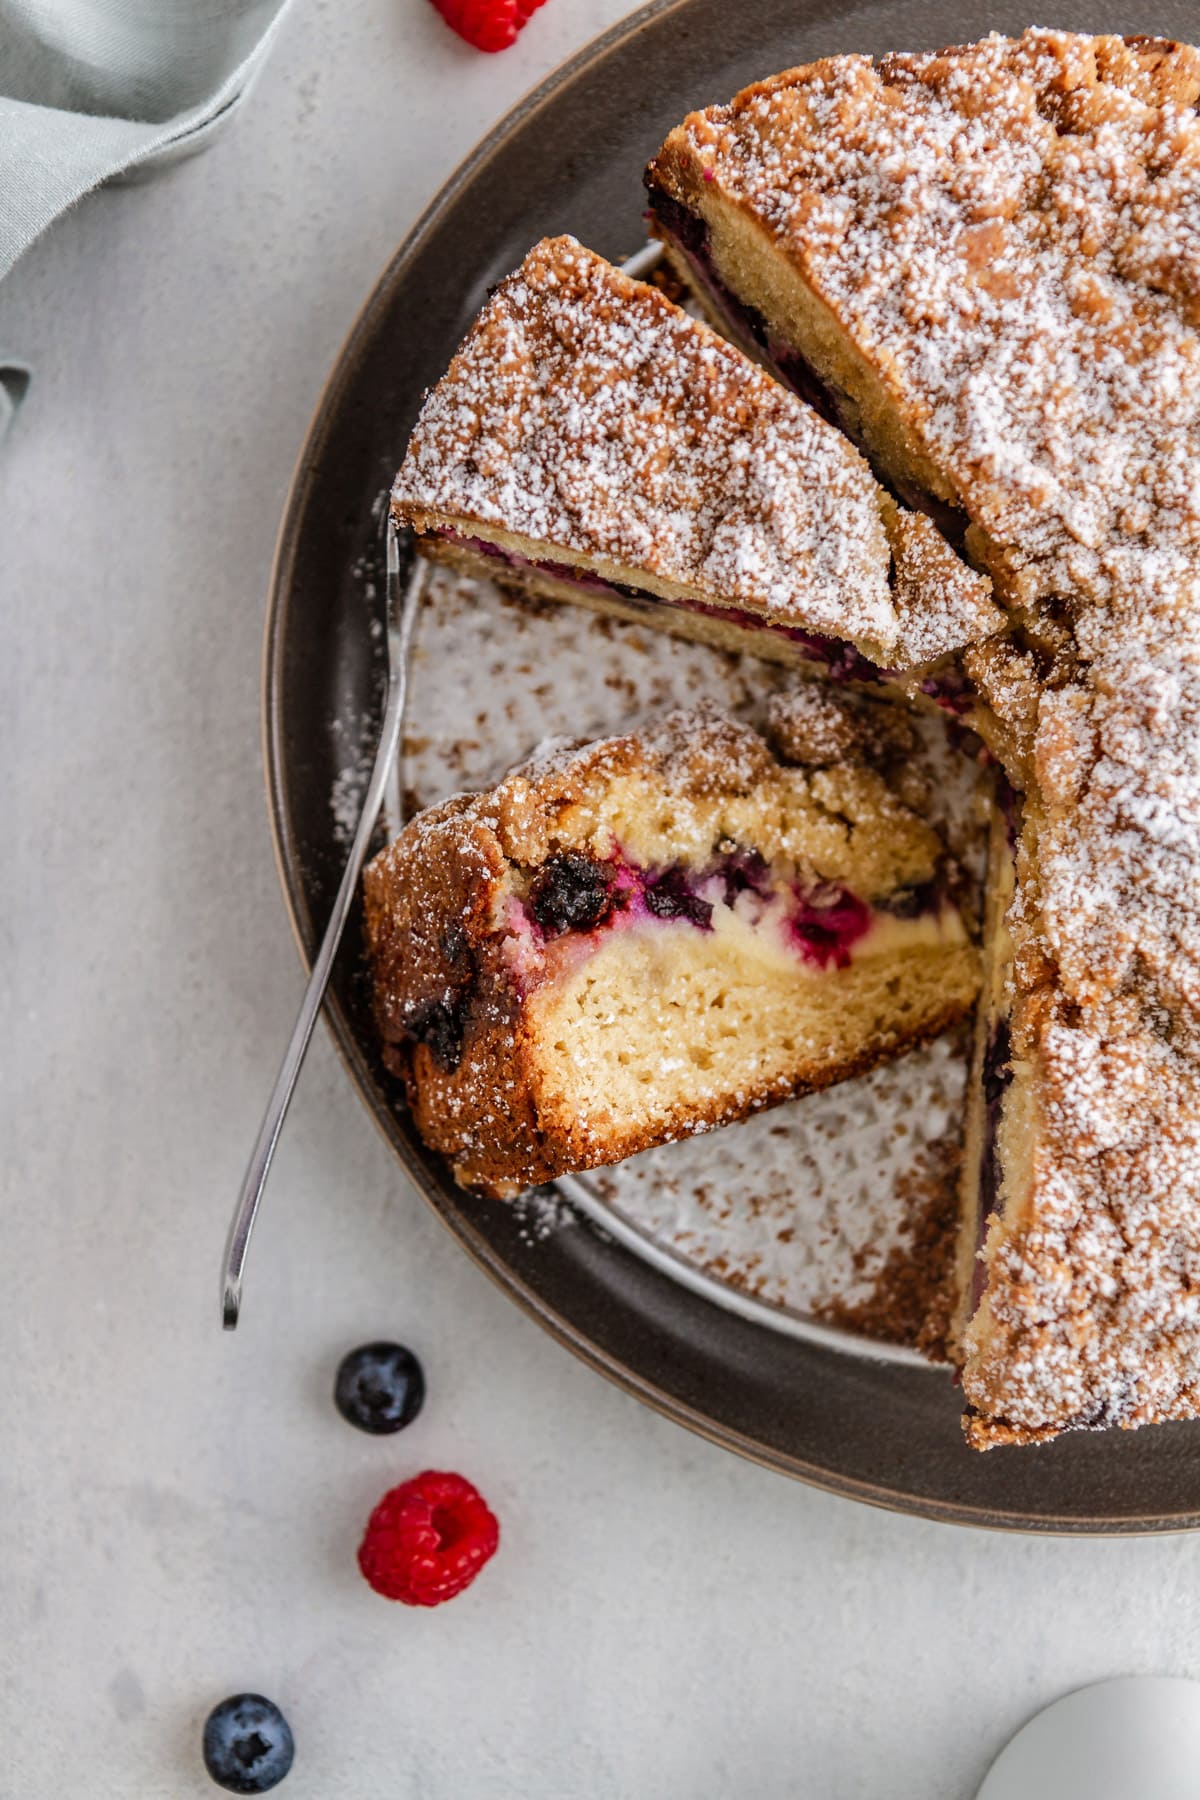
{"x":400,"y":634}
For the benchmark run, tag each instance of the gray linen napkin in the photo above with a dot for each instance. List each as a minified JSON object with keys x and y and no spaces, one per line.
{"x":90,"y":89}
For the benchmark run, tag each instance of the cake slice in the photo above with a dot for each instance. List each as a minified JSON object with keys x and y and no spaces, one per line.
{"x":592,"y":442}
{"x":985,"y":263}
{"x":628,"y":941}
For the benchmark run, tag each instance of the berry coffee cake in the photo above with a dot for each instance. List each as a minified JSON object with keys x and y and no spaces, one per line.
{"x":632,"y":940}
{"x":985,"y":265}
{"x":592,"y":442}
{"x":976,"y":275}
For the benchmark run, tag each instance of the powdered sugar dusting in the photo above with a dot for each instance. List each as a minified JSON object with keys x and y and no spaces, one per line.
{"x":586,"y":413}
{"x":1091,"y":1313}
{"x":1009,"y":232}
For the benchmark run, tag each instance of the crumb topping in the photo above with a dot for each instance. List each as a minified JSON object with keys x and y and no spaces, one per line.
{"x":584,"y":411}
{"x":1010,"y":232}
{"x":940,"y":604}
{"x":810,"y":726}
{"x":1118,"y":848}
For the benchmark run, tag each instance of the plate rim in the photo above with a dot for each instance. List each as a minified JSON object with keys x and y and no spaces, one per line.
{"x":286,"y":856}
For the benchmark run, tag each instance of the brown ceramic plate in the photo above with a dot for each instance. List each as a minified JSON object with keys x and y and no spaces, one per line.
{"x":570,"y":159}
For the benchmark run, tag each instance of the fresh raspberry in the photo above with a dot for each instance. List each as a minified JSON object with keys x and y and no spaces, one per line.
{"x":427,"y":1539}
{"x":488,"y":24}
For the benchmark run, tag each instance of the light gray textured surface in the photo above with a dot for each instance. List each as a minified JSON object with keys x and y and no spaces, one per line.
{"x":180,"y":1509}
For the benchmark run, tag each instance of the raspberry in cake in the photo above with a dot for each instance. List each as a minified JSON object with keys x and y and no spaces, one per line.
{"x":592,"y":442}
{"x":984,"y":263}
{"x":628,"y":941}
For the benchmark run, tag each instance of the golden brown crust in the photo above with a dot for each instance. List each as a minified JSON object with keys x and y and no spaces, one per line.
{"x":434,"y":953}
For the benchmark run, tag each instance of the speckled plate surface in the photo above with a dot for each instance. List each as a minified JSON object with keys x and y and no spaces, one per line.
{"x":791,"y":1218}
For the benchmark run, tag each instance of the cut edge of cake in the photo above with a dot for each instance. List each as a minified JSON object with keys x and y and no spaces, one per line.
{"x":642,"y":938}
{"x":990,"y":1067}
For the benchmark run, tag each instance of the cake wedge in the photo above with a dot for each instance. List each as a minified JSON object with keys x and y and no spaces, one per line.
{"x":641,"y":938}
{"x":592,"y":442}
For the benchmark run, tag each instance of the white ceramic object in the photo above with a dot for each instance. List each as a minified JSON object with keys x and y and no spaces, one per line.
{"x":1134,"y":1738}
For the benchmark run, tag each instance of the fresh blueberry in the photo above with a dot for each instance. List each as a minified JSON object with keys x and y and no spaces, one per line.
{"x":572,"y":892}
{"x":379,"y":1388}
{"x":248,"y":1745}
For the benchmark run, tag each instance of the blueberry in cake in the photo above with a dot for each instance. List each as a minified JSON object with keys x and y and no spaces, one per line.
{"x":985,"y":264}
{"x":632,"y":940}
{"x":592,"y":442}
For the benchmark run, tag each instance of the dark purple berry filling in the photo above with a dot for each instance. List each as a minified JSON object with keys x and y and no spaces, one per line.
{"x":440,"y":1025}
{"x":560,"y":571}
{"x":997,"y":1069}
{"x":669,"y":896}
{"x":911,"y":902}
{"x":1011,"y":804}
{"x":687,"y":229}
{"x":997,"y":1075}
{"x":950,"y":690}
{"x":840,"y":659}
{"x":745,"y":872}
{"x":572,"y":892}
{"x":575,"y":892}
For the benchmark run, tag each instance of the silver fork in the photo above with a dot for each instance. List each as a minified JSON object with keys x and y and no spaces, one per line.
{"x":403,"y":605}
